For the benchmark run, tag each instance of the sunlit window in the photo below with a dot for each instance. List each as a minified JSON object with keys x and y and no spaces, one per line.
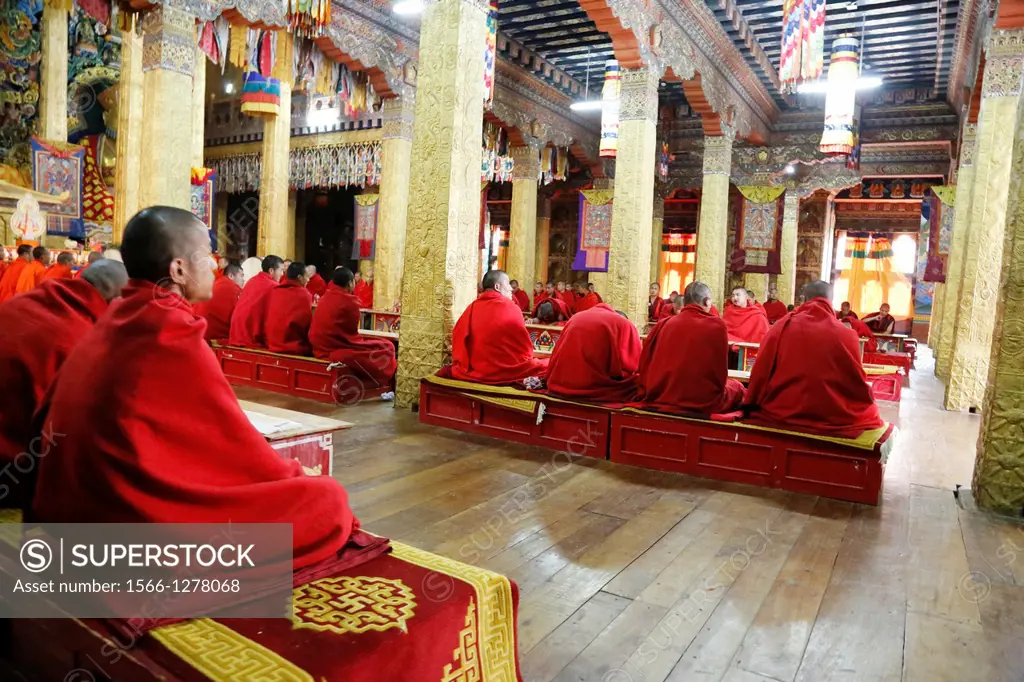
{"x":904,"y":254}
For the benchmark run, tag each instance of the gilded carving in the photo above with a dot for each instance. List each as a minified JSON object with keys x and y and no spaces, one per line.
{"x":713,"y":228}
{"x":717,"y":155}
{"x":1004,"y":64}
{"x":786,"y":282}
{"x":168,"y":40}
{"x":396,"y":152}
{"x":527,"y":163}
{"x":639,"y":95}
{"x":129,"y":133}
{"x":272,"y":232}
{"x":398,"y":116}
{"x":522,"y":244}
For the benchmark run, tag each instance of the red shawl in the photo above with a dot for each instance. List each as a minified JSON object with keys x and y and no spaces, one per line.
{"x":490,"y":343}
{"x":364,"y":293}
{"x":668,"y":311}
{"x":863,"y":332}
{"x":537,"y":300}
{"x":30,"y":277}
{"x":556,"y":303}
{"x":775,"y":310}
{"x":10,"y":281}
{"x":521,"y":299}
{"x":568,"y":298}
{"x":685,"y":365}
{"x":880,"y":323}
{"x":596,"y":358}
{"x":289,"y":314}
{"x":37,"y":332}
{"x":217,"y":311}
{"x":748,"y":324}
{"x":316,"y":285}
{"x":586,"y":302}
{"x":655,"y":307}
{"x":840,"y":316}
{"x":335,"y":336}
{"x":808,"y":376}
{"x":248,"y":319}
{"x":56,"y":271}
{"x":152,"y":433}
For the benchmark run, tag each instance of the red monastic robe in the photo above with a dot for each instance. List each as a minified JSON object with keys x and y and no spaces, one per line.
{"x":808,"y":377}
{"x":775,"y":310}
{"x":840,"y":316}
{"x":655,"y":307}
{"x":56,"y":271}
{"x":250,"y":313}
{"x":596,"y":358}
{"x":748,"y":324}
{"x":556,"y":303}
{"x":521,"y":299}
{"x":30,"y":277}
{"x":151,"y":432}
{"x":667,"y":311}
{"x":568,"y":298}
{"x":37,"y":332}
{"x":289,"y":312}
{"x":364,"y":293}
{"x":586,"y":302}
{"x":10,"y":280}
{"x":218,"y":310}
{"x":880,"y":323}
{"x":490,"y":343}
{"x":316,"y":285}
{"x":335,"y":336}
{"x":685,"y":366}
{"x":863,"y":331}
{"x":538,"y":299}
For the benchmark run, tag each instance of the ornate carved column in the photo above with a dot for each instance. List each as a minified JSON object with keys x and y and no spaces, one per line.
{"x":657,"y":227}
{"x":396,"y":148}
{"x":290,"y":250}
{"x":955,"y":266}
{"x":198,"y":109}
{"x":756,"y":282}
{"x":168,"y":60}
{"x":522,"y":243}
{"x":129,"y":132}
{"x":53,"y":73}
{"x":272,"y":234}
{"x":543,"y":241}
{"x":786,"y":282}
{"x":220,"y":221}
{"x":713,"y":230}
{"x":629,"y":254}
{"x":439,"y":278}
{"x":997,"y":123}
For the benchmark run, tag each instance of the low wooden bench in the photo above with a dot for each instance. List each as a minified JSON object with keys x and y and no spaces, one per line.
{"x":903,"y":360}
{"x":306,"y":438}
{"x":886,"y":381}
{"x":381,"y":320}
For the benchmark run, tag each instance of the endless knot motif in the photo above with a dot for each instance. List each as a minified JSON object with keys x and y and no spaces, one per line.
{"x":353,"y":604}
{"x":467,"y":654}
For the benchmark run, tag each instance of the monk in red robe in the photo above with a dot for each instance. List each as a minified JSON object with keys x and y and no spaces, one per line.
{"x":845,"y":311}
{"x":550,"y":311}
{"x":596,"y":358}
{"x":37,"y":332}
{"x":61,"y":269}
{"x":289,"y":312}
{"x":773,"y":307}
{"x":745,"y":320}
{"x":585,"y":299}
{"x":881,"y":322}
{"x":808,"y":375}
{"x":218,"y":310}
{"x":33,"y":274}
{"x":566,"y":296}
{"x":490,"y":344}
{"x":593,"y":290}
{"x":315,"y":283}
{"x":335,"y":335}
{"x":10,"y":279}
{"x":364,"y":292}
{"x":538,"y":295}
{"x":520,"y":297}
{"x":655,"y":303}
{"x":150,"y":430}
{"x":863,"y":332}
{"x":250,"y":311}
{"x":94,"y":256}
{"x":674,"y":309}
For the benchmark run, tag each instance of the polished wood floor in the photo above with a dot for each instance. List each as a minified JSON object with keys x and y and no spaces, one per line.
{"x":629,"y":575}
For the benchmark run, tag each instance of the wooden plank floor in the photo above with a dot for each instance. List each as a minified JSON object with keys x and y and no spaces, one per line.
{"x":629,"y":575}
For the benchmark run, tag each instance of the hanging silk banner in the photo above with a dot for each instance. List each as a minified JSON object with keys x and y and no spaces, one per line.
{"x":490,"y":53}
{"x":759,"y":231}
{"x":261,"y":96}
{"x":364,"y":240}
{"x":202,"y":200}
{"x":610,"y":110}
{"x":803,"y":42}
{"x":939,"y":210}
{"x":595,"y":230}
{"x":839,"y":136}
{"x":56,"y":169}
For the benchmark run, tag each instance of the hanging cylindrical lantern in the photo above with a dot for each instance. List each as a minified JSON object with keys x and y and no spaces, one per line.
{"x":841,"y":99}
{"x":610,"y":110}
{"x":261,"y":96}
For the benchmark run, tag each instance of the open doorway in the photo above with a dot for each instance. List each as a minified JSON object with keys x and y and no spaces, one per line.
{"x":329,"y":228}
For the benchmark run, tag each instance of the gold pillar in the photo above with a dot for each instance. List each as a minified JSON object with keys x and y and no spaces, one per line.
{"x":53,"y":74}
{"x":756,"y":282}
{"x":955,"y":265}
{"x":293,"y":197}
{"x":785,"y":284}
{"x":657,"y":227}
{"x":443,"y":226}
{"x":272,"y":235}
{"x":300,"y":236}
{"x":713,"y":230}
{"x":935,"y":323}
{"x":543,"y":242}
{"x":389,"y":258}
{"x":220,"y":221}
{"x":522,"y":244}
{"x":129,"y":132}
{"x":198,"y":109}
{"x":166,"y":150}
{"x":983,"y":255}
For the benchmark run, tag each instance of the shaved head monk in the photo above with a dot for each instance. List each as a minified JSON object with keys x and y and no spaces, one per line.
{"x":490,"y":344}
{"x":37,"y":332}
{"x":863,"y":332}
{"x":94,"y":256}
{"x":335,"y":335}
{"x":151,"y":432}
{"x":218,"y":310}
{"x":745,"y":320}
{"x":593,"y":290}
{"x":596,"y":358}
{"x":675,"y":308}
{"x":773,"y":307}
{"x":881,"y":322}
{"x":10,"y":279}
{"x":550,"y":311}
{"x":520,"y":297}
{"x":655,"y":303}
{"x":32,"y":275}
{"x":808,"y":374}
{"x":684,"y":368}
{"x":314,"y":282}
{"x":289,"y":312}
{"x":247,"y":321}
{"x":61,"y":269}
{"x":566,"y":296}
{"x":549,"y":290}
{"x":363,"y":291}
{"x":538,"y":294}
{"x":586,"y":299}
{"x":845,"y":311}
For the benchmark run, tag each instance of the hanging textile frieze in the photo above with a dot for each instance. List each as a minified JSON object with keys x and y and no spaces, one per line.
{"x":320,"y":167}
{"x":803,"y":42}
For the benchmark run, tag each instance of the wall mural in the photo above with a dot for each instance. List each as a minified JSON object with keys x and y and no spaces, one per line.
{"x":20,"y":54}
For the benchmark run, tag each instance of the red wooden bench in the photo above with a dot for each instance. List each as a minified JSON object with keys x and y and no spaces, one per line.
{"x":886,"y":381}
{"x":903,"y":360}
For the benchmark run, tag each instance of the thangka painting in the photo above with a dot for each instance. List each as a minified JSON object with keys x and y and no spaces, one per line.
{"x":940,"y":211}
{"x":57,"y":169}
{"x":595,"y":230}
{"x":203,"y":180}
{"x":759,"y":231}
{"x":364,"y":243}
{"x":924,"y":291}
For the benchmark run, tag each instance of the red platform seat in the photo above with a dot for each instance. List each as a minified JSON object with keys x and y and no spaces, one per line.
{"x":895,"y":359}
{"x":886,"y":381}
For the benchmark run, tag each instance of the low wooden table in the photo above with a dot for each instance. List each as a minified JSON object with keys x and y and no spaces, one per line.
{"x":747,"y":354}
{"x":379,"y":334}
{"x":740,"y":375}
{"x":306,"y":438}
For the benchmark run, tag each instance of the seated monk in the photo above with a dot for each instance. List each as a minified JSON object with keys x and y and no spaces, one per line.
{"x":655,"y":303}
{"x":745,"y":319}
{"x":593,"y":290}
{"x":33,"y":273}
{"x":520,"y":297}
{"x":218,"y":310}
{"x":247,"y":320}
{"x":566,"y":296}
{"x":538,"y":295}
{"x":863,"y":332}
{"x":550,"y":311}
{"x":151,"y":431}
{"x":773,"y":307}
{"x":10,"y":279}
{"x":672,"y":310}
{"x":845,"y":311}
{"x":684,"y":367}
{"x":37,"y":332}
{"x":61,"y":269}
{"x":549,"y":291}
{"x":335,"y":335}
{"x":881,"y":322}
{"x":490,"y":343}
{"x":364,"y":292}
{"x":289,"y":312}
{"x":585,"y":298}
{"x":596,"y":358}
{"x":808,"y":375}
{"x":315,"y":283}
{"x":93,"y":257}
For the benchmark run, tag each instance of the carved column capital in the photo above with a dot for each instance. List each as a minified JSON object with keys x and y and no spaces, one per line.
{"x":168,"y":40}
{"x":526,"y":162}
{"x":639,"y":95}
{"x":399,"y":117}
{"x":717,"y":155}
{"x":967,"y":145}
{"x":1004,"y":64}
